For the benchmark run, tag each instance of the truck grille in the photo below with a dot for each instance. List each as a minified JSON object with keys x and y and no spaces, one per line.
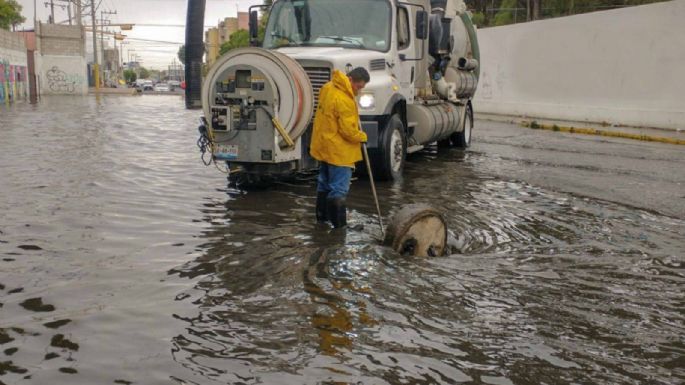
{"x":377,"y":65}
{"x":318,"y":76}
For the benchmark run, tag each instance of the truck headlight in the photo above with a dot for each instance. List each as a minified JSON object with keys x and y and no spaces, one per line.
{"x":367,"y":101}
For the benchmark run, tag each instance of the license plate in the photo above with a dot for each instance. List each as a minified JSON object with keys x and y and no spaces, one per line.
{"x":227,"y":151}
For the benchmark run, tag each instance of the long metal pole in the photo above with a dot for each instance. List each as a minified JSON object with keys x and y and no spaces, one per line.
{"x":96,"y":68}
{"x":373,"y":188}
{"x":102,"y":37}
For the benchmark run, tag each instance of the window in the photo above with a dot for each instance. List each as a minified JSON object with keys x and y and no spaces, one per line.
{"x":403,"y":34}
{"x":352,"y":24}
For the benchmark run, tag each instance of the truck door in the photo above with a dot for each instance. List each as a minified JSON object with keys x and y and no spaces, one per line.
{"x":407,"y":50}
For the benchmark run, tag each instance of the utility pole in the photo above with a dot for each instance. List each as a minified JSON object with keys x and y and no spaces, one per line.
{"x":121,"y":59}
{"x":96,"y":67}
{"x":79,"y":12}
{"x":69,"y":11}
{"x":116,"y":62}
{"x":51,"y":18}
{"x":102,"y":32}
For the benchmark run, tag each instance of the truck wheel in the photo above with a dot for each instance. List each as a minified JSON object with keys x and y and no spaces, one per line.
{"x":392,"y":152}
{"x":461,"y":139}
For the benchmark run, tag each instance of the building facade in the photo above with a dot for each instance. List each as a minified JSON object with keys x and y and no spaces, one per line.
{"x":215,"y":37}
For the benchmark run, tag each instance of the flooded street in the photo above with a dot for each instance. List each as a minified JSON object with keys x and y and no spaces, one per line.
{"x":124,"y":260}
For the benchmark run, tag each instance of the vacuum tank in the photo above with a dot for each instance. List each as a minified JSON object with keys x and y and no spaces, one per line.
{"x":453,"y":70}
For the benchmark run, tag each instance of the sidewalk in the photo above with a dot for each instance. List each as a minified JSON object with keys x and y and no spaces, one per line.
{"x":585,"y":128}
{"x":112,"y":91}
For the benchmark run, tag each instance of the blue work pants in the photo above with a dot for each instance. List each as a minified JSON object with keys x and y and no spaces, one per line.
{"x":334,"y":180}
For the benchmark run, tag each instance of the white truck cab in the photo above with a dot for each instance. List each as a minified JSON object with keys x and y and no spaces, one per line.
{"x":422,"y":57}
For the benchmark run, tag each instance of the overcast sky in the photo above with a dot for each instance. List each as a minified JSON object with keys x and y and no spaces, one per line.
{"x":171,"y":13}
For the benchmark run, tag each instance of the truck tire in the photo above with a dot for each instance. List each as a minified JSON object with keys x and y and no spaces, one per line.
{"x":388,"y":164}
{"x":461,"y":139}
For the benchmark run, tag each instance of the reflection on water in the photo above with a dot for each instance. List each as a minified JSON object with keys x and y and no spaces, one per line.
{"x":124,"y":261}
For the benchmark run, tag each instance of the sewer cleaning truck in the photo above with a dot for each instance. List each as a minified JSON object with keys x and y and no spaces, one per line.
{"x":258,"y":102}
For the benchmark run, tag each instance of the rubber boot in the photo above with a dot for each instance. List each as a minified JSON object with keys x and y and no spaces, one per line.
{"x":321,"y":209}
{"x":337,"y":212}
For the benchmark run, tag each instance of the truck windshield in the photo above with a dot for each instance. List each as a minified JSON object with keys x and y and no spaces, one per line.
{"x":363,"y":24}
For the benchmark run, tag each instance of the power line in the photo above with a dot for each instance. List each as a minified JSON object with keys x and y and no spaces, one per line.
{"x":154,"y":41}
{"x":166,"y":25}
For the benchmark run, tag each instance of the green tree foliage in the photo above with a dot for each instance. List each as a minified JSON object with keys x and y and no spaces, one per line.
{"x":506,"y":14}
{"x":10,"y":14}
{"x":155,"y":75}
{"x":182,"y":54}
{"x":488,"y":13}
{"x":478,"y":18}
{"x":144,"y":73}
{"x":240,"y":38}
{"x":130,"y":76}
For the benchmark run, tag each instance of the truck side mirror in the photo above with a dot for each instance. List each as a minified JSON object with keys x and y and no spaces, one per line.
{"x":421,"y":25}
{"x":254,"y":26}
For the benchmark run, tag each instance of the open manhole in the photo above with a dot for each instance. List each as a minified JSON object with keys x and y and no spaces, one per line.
{"x":417,"y":230}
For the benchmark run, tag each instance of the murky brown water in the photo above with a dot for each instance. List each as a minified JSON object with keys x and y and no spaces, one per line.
{"x":124,"y":260}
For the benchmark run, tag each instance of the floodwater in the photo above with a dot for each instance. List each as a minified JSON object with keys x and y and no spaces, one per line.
{"x":123,"y":260}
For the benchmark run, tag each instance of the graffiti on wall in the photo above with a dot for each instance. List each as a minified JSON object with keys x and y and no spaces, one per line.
{"x":4,"y":80}
{"x":62,"y":82}
{"x":13,"y":81}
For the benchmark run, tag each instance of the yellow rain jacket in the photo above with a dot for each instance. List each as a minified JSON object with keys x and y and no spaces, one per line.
{"x":336,"y":136}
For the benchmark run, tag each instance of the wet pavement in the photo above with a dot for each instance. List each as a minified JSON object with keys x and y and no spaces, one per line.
{"x":123,"y":260}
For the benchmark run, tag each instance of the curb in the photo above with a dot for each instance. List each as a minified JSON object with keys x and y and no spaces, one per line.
{"x":592,"y":131}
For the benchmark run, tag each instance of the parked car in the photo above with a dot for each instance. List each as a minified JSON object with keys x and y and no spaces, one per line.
{"x":162,"y":87}
{"x":144,"y":85}
{"x":174,"y":84}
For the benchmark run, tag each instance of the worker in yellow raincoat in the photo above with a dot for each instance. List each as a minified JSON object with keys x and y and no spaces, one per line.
{"x":336,"y":143}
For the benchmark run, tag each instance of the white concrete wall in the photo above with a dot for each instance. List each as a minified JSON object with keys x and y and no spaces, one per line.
{"x":62,"y":75}
{"x":13,"y":57}
{"x":623,"y":66}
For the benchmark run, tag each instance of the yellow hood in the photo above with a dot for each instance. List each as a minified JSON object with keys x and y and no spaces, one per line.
{"x":342,"y":82}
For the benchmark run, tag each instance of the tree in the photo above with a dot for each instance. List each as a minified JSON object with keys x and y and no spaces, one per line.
{"x":130,"y":76}
{"x":505,"y":15}
{"x":10,"y":14}
{"x":155,"y":75}
{"x":182,"y":54}
{"x":240,"y":38}
{"x":144,"y":73}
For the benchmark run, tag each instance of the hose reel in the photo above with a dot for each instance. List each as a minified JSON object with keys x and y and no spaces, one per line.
{"x":251,"y":89}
